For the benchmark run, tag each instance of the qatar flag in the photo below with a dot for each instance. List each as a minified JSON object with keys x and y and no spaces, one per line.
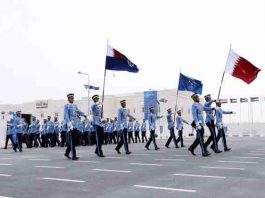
{"x":118,"y":62}
{"x":241,"y":68}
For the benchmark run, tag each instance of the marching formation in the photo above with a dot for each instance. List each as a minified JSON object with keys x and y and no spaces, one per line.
{"x":122,"y":130}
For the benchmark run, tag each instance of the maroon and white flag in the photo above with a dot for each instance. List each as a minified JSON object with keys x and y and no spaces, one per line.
{"x":241,"y":68}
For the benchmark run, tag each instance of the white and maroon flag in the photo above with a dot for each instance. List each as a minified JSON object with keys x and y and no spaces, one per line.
{"x":241,"y":68}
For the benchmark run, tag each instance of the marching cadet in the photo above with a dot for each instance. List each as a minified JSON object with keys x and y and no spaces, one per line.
{"x":85,"y":138}
{"x":38,"y":141}
{"x":80,"y":129}
{"x":113,"y":130}
{"x":9,"y":133}
{"x":17,"y":132}
{"x":171,"y":129}
{"x":116,"y":129}
{"x":198,"y":124}
{"x":130,"y":131}
{"x":50,"y":131}
{"x":152,"y":127}
{"x":220,"y":125}
{"x":63,"y":130}
{"x":209,"y":121}
{"x":123,"y":126}
{"x":137,"y":131}
{"x":44,"y":138}
{"x":180,"y":121}
{"x":32,"y":132}
{"x":92,"y":133}
{"x":71,"y":113}
{"x":143,"y":131}
{"x":99,"y":130}
{"x":106,"y":130}
{"x":56,"y":132}
{"x":25,"y":132}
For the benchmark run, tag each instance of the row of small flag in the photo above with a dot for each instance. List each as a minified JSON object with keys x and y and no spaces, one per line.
{"x":242,"y":100}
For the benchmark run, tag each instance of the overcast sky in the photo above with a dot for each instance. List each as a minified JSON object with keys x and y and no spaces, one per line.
{"x":43,"y":44}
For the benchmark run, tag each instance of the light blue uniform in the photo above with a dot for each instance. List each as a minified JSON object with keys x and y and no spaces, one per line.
{"x":219,"y":116}
{"x":197,"y":113}
{"x":96,"y":112}
{"x":143,"y":127}
{"x":57,"y":127}
{"x":152,"y":121}
{"x":208,"y":111}
{"x":70,"y":114}
{"x":122,"y":118}
{"x":170,"y":122}
{"x":179,"y":122}
{"x":137,"y":126}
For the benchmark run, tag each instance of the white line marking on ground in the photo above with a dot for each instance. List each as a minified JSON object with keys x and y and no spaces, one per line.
{"x":39,"y":159}
{"x":6,"y":164}
{"x":183,"y":155}
{"x":142,"y":164}
{"x":5,"y":197}
{"x":5,"y":158}
{"x":180,"y":160}
{"x":163,"y":188}
{"x":51,"y":167}
{"x":239,"y":162}
{"x":93,"y":162}
{"x":116,"y":157}
{"x":140,"y":154}
{"x":65,"y":180}
{"x":202,"y":176}
{"x":5,"y":175}
{"x":251,"y":157}
{"x":222,"y":168}
{"x":257,"y":154}
{"x":114,"y":171}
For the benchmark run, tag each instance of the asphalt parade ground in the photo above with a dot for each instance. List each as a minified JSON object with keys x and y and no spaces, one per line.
{"x":166,"y":173}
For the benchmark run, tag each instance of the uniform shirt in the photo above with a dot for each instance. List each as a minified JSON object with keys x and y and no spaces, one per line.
{"x":17,"y":124}
{"x":137,"y":126}
{"x":80,"y":126}
{"x":152,"y":121}
{"x":43,"y":129}
{"x":180,"y":121}
{"x":24,"y":127}
{"x":122,"y":118}
{"x":219,"y":115}
{"x":197,"y":113}
{"x":50,"y":127}
{"x":9,"y":129}
{"x":63,"y":126}
{"x":32,"y":127}
{"x":170,"y":122}
{"x":92,"y":127}
{"x":130,"y":127}
{"x":56,"y":127}
{"x":115,"y":126}
{"x":70,"y":114}
{"x":38,"y":128}
{"x":209,"y":112}
{"x":96,"y":112}
{"x":87,"y":127}
{"x":143,"y":127}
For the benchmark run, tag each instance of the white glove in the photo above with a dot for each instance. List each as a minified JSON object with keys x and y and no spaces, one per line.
{"x":70,"y":125}
{"x":198,"y":127}
{"x":219,"y":125}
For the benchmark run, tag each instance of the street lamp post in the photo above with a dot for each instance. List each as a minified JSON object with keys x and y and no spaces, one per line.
{"x":88,"y":90}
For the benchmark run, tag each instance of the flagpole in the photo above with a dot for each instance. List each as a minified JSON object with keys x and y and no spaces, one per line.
{"x":220,"y":88}
{"x":104,"y":83}
{"x":176,"y":106}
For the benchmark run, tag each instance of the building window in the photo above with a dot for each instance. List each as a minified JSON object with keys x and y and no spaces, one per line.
{"x":42,"y":115}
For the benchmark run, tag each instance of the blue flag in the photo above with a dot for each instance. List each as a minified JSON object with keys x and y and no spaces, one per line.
{"x":118,"y":62}
{"x":189,"y":84}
